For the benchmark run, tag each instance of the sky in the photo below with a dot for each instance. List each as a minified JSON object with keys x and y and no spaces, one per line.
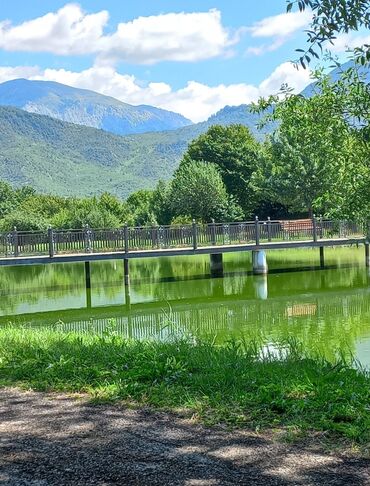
{"x":191,"y":57}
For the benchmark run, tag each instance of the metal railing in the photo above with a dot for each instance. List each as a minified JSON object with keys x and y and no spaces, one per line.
{"x":87,"y":240}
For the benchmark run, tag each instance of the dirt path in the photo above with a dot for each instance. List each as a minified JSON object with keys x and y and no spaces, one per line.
{"x":53,"y":439}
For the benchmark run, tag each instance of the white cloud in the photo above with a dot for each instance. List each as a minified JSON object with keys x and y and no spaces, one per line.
{"x":170,"y":37}
{"x":348,"y":41}
{"x":263,"y":48}
{"x":286,"y":73}
{"x":7,"y":73}
{"x":68,"y":31}
{"x":279,"y":27}
{"x":196,"y":101}
{"x":146,"y":40}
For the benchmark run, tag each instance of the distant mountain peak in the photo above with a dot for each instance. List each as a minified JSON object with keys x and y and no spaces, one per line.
{"x":85,"y":107}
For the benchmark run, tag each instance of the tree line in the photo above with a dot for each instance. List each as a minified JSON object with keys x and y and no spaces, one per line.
{"x":315,"y":161}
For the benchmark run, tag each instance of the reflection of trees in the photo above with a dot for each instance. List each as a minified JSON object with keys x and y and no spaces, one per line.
{"x":33,"y":283}
{"x":311,"y":306}
{"x":339,"y":256}
{"x":164,"y":279}
{"x":327,"y":323}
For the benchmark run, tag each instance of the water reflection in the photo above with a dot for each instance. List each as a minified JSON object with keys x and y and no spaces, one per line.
{"x":326,"y":309}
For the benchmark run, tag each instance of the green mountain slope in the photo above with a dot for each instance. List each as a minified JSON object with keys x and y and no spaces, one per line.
{"x":67,"y":159}
{"x":85,"y":107}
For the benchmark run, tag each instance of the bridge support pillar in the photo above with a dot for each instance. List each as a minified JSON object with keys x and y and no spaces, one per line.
{"x":259,"y":262}
{"x":216,"y":265}
{"x":367,"y":255}
{"x":88,"y":284}
{"x":322,"y":257}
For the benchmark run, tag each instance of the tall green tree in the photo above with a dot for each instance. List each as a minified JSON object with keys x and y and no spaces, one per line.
{"x":235,"y":152}
{"x":8,"y":199}
{"x":161,"y":203}
{"x":139,"y":204}
{"x":198,"y":191}
{"x":310,"y":160}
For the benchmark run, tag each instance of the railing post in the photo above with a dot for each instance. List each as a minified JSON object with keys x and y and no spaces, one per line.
{"x":152,"y":234}
{"x":314,"y":228}
{"x":125,"y":238}
{"x":87,"y":234}
{"x":51,"y":242}
{"x":15,"y":242}
{"x":194,"y":232}
{"x":341,"y":230}
{"x":269,"y":228}
{"x":213,"y":233}
{"x":257,"y":230}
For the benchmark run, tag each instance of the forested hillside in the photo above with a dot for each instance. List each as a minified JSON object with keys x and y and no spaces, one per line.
{"x":68,"y":159}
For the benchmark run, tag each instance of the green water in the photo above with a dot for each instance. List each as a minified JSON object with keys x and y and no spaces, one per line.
{"x":326,"y":308}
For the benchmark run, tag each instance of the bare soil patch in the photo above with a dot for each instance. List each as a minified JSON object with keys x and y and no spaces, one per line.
{"x":56,"y":439}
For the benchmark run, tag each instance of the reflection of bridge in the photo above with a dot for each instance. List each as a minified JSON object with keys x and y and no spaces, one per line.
{"x":196,"y":316}
{"x":63,"y":246}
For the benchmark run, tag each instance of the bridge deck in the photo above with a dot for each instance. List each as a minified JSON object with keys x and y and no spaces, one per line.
{"x":163,"y":252}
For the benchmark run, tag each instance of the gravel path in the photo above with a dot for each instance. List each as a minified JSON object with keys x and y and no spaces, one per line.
{"x":55,"y":439}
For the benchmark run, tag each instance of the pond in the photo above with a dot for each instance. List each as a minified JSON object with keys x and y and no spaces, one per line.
{"x":326,"y":309}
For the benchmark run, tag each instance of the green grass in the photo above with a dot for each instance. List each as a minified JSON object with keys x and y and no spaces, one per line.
{"x":220,"y":384}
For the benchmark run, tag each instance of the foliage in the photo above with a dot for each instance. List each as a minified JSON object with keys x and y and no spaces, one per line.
{"x":7,"y":198}
{"x":183,"y":219}
{"x":140,"y":205}
{"x":31,"y":211}
{"x":330,"y":19}
{"x":23,"y":221}
{"x":85,"y":212}
{"x":197,"y":190}
{"x":316,"y":159}
{"x":161,"y":203}
{"x":236,"y":153}
{"x":236,"y":384}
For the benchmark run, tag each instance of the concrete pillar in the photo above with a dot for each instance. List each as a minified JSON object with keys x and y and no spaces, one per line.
{"x":259,"y":262}
{"x":216,"y":265}
{"x":88,"y":284}
{"x":261,"y":287}
{"x":367,"y":255}
{"x":322,"y":257}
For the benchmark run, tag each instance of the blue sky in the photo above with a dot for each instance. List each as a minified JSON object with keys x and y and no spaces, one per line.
{"x":187,"y":56}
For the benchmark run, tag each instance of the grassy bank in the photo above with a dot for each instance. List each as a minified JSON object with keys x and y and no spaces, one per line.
{"x":220,"y":384}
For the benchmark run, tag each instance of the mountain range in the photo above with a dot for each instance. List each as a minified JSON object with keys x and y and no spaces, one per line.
{"x":41,"y":149}
{"x":74,"y":160}
{"x":84,"y":107}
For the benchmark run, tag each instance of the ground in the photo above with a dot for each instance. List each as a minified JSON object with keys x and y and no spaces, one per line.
{"x":56,"y":439}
